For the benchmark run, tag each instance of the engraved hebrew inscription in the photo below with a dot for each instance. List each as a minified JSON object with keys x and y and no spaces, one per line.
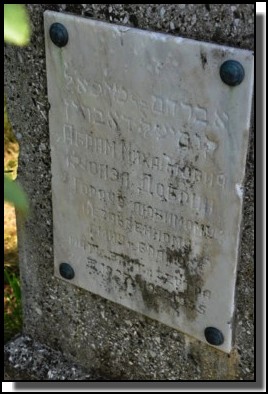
{"x":148,"y":153}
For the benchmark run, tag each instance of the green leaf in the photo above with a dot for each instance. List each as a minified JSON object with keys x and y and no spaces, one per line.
{"x":16,"y":24}
{"x":15,"y":285}
{"x":7,"y":277}
{"x":13,"y":193}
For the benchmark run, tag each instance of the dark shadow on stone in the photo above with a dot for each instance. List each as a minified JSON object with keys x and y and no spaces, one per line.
{"x":259,"y":234}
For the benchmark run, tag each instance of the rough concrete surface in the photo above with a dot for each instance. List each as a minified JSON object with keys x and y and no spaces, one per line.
{"x":26,"y":359}
{"x":87,"y":329}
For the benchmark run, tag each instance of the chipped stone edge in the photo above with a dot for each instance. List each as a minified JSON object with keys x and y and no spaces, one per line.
{"x":26,"y":359}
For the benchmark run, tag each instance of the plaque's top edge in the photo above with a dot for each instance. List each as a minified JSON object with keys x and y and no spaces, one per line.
{"x":160,"y":35}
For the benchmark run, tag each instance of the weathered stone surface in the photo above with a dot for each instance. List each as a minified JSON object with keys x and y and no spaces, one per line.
{"x":148,"y":150}
{"x":121,"y":343}
{"x":26,"y":359}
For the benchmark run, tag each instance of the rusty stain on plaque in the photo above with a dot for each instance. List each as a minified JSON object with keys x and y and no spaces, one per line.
{"x":148,"y":148}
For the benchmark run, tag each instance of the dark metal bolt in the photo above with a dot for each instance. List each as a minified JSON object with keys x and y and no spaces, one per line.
{"x":214,"y":336}
{"x":66,"y":271}
{"x":232,"y":72}
{"x":58,"y":34}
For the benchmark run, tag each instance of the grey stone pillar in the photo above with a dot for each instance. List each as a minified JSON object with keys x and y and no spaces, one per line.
{"x":76,"y":325}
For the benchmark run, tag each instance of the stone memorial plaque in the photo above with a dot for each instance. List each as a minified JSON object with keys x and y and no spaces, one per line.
{"x":149,"y":136}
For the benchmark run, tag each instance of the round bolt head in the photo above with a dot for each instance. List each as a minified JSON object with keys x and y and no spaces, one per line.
{"x":66,"y":271}
{"x":58,"y":34}
{"x":214,"y":336}
{"x":232,"y":72}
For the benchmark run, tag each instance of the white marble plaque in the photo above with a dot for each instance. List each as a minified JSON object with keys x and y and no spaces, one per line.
{"x":148,"y":149}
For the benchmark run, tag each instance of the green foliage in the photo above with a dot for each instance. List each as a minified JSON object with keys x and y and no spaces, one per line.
{"x":16,"y":31}
{"x":16,"y":24}
{"x":13,"y":309}
{"x":14,"y":283}
{"x":13,"y":193}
